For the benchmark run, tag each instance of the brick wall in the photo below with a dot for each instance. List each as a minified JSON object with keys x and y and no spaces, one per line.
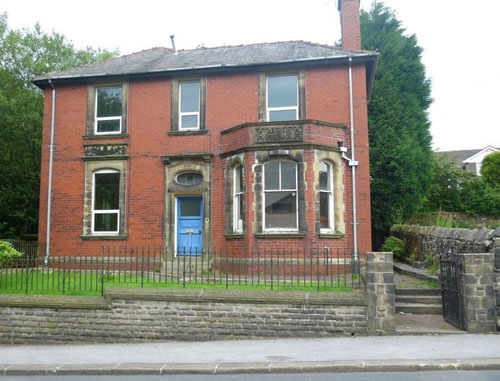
{"x":146,"y":315}
{"x":231,"y":100}
{"x":349,"y":19}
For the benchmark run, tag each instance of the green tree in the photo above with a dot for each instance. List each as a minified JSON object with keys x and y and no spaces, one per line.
{"x":400,"y":141}
{"x":445,"y":192}
{"x":24,"y":54}
{"x":456,"y":190}
{"x":490,"y":169}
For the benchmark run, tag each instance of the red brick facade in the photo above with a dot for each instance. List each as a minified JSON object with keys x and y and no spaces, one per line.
{"x":232,"y":100}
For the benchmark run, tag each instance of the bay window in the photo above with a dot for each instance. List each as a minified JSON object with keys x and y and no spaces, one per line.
{"x":280,"y":196}
{"x":326,"y":197}
{"x":238,"y":199}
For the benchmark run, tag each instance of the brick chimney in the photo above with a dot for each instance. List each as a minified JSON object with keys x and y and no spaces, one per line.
{"x":350,"y":24}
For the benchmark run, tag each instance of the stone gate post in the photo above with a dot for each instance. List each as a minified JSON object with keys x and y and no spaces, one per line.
{"x":380,"y":292}
{"x":477,"y":291}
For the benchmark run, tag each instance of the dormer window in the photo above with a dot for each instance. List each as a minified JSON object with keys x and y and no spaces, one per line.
{"x":108,"y":110}
{"x":282,"y":98}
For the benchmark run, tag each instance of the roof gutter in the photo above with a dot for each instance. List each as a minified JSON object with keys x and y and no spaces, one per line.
{"x":51,"y":158}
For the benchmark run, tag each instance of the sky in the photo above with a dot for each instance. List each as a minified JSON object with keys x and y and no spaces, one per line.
{"x":459,"y":38}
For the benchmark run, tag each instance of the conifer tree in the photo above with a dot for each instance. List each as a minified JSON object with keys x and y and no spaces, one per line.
{"x":401,"y":159}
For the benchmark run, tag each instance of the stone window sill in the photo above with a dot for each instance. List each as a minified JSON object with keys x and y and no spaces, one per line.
{"x":104,"y":237}
{"x":189,"y":132}
{"x":110,"y":136}
{"x":281,"y":235}
{"x":235,"y":236}
{"x":331,"y":235}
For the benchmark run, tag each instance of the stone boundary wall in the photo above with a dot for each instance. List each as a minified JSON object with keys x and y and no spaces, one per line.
{"x":444,"y":241}
{"x":127,"y":315}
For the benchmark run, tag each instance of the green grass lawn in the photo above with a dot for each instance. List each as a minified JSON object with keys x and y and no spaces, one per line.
{"x":91,"y":283}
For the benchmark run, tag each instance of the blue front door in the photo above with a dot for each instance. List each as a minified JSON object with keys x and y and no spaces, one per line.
{"x":189,"y":225}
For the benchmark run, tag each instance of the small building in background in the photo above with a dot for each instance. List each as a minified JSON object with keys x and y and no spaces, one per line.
{"x":470,"y":160}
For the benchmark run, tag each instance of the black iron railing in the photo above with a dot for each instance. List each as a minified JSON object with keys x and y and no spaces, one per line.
{"x":29,"y":249}
{"x":322,"y":269}
{"x":450,"y":291}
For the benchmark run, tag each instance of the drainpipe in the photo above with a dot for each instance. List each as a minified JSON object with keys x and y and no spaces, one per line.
{"x":51,"y":156}
{"x":353,"y":164}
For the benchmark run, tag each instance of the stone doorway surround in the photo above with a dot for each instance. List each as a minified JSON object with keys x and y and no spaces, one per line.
{"x":175,"y":165}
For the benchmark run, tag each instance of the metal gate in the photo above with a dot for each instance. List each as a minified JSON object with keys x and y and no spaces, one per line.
{"x":450,"y":289}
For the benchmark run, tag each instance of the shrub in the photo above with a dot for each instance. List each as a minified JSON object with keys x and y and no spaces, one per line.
{"x":432,"y":263}
{"x":7,"y":252}
{"x":456,"y":190}
{"x":490,"y":169}
{"x":396,"y":245}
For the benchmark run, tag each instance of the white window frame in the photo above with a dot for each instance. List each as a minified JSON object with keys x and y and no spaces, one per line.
{"x":285,"y":108}
{"x":97,"y":119}
{"x":237,"y":195}
{"x":331,"y":214}
{"x":264,"y":191}
{"x":197,"y":113}
{"x":104,"y":211}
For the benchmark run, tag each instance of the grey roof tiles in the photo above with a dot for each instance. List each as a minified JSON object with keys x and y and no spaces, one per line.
{"x":157,"y":60}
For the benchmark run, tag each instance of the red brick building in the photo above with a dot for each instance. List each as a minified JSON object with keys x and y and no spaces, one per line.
{"x":238,"y":147}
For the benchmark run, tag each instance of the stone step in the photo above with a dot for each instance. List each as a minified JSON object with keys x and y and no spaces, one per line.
{"x":419,"y":299}
{"x":418,"y":291}
{"x":419,"y":308}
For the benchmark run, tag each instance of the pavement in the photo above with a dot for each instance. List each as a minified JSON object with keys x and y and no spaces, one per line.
{"x":338,"y":354}
{"x":416,"y":324}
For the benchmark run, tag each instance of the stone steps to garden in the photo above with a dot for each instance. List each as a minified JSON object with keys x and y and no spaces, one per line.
{"x":415,"y":299}
{"x":418,"y":292}
{"x":419,"y":309}
{"x":421,"y":301}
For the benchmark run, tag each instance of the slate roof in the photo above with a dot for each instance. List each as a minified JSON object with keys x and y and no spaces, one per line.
{"x":163,"y":60}
{"x":458,"y":157}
